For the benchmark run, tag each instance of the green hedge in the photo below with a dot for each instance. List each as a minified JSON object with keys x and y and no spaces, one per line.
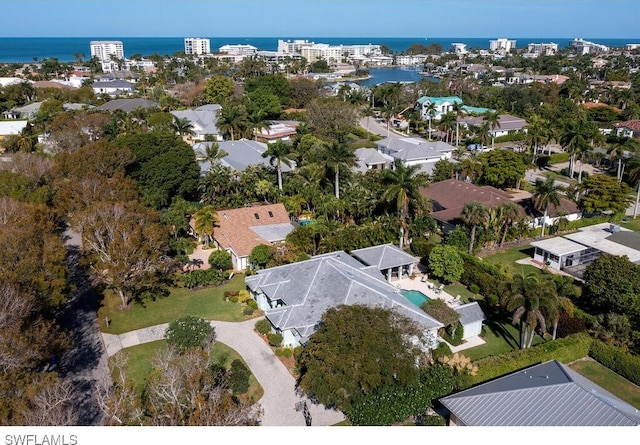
{"x":564,"y":350}
{"x":558,"y":158}
{"x":617,"y":360}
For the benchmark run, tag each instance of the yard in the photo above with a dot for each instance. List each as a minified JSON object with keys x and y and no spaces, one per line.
{"x":208,"y":303}
{"x":609,"y":380}
{"x":140,"y":359}
{"x":500,"y":338}
{"x":506,"y":260}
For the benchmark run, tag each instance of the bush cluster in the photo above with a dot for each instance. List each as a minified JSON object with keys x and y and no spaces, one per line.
{"x":397,"y":404}
{"x":274,"y":338}
{"x":199,"y":278}
{"x":284,"y":352}
{"x":619,"y":361}
{"x":483,"y":278}
{"x":263,"y":326}
{"x":564,"y":350}
{"x":239,"y":377}
{"x":189,"y":332}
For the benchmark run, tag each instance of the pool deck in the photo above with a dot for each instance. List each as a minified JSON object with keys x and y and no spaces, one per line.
{"x":428,"y":288}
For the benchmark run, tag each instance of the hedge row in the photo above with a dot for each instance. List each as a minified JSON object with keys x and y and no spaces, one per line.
{"x":617,"y":360}
{"x":564,"y":350}
{"x":558,"y":158}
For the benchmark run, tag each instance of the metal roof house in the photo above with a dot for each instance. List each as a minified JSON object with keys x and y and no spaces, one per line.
{"x":416,"y":151}
{"x":389,"y":259}
{"x":294,"y":296}
{"x":471,"y":318}
{"x":547,"y":394}
{"x":203,"y":119}
{"x":240,"y":154}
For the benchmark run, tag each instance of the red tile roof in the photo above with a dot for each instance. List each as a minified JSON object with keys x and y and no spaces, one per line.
{"x":631,"y":125}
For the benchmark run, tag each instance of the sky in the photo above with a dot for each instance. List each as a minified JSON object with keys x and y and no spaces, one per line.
{"x":320,"y":18}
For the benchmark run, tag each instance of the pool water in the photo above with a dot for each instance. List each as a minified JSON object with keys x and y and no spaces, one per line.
{"x":415,"y":296}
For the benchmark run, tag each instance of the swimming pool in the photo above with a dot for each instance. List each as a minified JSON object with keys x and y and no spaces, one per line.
{"x":414,"y":296}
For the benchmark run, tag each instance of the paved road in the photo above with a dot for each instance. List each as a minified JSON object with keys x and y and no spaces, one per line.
{"x":86,"y":363}
{"x":280,"y":398}
{"x":372,"y":126}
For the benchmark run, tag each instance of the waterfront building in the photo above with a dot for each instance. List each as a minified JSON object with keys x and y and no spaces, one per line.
{"x":294,"y":47}
{"x":537,"y":49}
{"x":245,"y":50}
{"x":632,"y":46}
{"x":196,"y":45}
{"x":459,"y":48}
{"x":502,"y":45}
{"x":585,"y":47}
{"x":106,"y":50}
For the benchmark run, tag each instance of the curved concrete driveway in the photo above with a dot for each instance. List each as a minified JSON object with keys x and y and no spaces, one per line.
{"x":279,"y":400}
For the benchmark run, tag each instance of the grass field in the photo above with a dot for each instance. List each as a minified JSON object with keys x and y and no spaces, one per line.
{"x":140,"y":362}
{"x":500,"y":338}
{"x":609,"y":380}
{"x":506,"y":260}
{"x":207,"y":303}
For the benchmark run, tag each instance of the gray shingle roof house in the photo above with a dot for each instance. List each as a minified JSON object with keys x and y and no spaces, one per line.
{"x":241,"y":154}
{"x":471,"y":318}
{"x":128,"y":105}
{"x":371,"y":159}
{"x":416,"y":151}
{"x":294,"y":296}
{"x":386,"y":258}
{"x":204,"y":120}
{"x":548,"y":394}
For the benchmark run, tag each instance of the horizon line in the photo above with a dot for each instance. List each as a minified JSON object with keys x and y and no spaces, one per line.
{"x":307,"y":37}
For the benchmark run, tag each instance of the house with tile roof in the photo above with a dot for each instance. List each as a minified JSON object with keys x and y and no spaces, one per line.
{"x":628,"y":129}
{"x":127,"y":105}
{"x":294,"y":296}
{"x":203,"y":120}
{"x":390,"y":260}
{"x":238,"y":231}
{"x":449,"y":197}
{"x":547,"y":394}
{"x":416,"y":151}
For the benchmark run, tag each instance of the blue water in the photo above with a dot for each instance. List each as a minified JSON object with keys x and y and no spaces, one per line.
{"x":63,"y":48}
{"x":415,"y":296}
{"x":393,"y":74}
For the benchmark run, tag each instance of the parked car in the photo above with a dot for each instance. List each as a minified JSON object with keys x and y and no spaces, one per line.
{"x":477,"y":147}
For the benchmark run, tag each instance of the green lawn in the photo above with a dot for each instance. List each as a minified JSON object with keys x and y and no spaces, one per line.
{"x":632,"y":224}
{"x":500,"y":338}
{"x":140,"y":360}
{"x":456,"y":288}
{"x":609,"y":380}
{"x":506,"y":260}
{"x":208,"y":303}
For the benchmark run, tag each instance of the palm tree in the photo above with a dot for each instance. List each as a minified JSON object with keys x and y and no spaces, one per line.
{"x":473,"y":215}
{"x":430,"y":110}
{"x":576,"y":138}
{"x":337,"y":155}
{"x":470,"y":168}
{"x":537,"y":133}
{"x":528,"y":297}
{"x":510,"y":215}
{"x":634,"y":176}
{"x":482,"y":133}
{"x":447,"y":124}
{"x":458,"y":111}
{"x":183,"y":126}
{"x":257,"y":120}
{"x":212,"y":154}
{"x":402,"y":186}
{"x":565,"y":289}
{"x":205,"y":223}
{"x":546,"y":193}
{"x":278,"y":153}
{"x":492,"y":118}
{"x":233,"y":119}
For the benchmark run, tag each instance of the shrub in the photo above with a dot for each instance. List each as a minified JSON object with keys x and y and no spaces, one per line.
{"x":247,"y":311}
{"x":274,"y":338}
{"x":284,"y":352}
{"x":199,"y":278}
{"x":616,"y":359}
{"x":243,"y":296}
{"x":431,"y":420}
{"x":564,"y":350}
{"x":189,"y":332}
{"x":253,"y":304}
{"x":239,"y":377}
{"x":220,"y":260}
{"x":261,"y":255}
{"x":263,"y":326}
{"x":233,"y":298}
{"x":421,"y":247}
{"x":473,"y":288}
{"x":559,"y":158}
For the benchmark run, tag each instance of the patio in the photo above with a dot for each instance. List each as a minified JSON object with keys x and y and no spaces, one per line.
{"x":432,"y":291}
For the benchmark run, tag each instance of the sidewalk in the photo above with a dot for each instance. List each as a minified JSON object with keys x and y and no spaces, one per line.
{"x":280,"y":397}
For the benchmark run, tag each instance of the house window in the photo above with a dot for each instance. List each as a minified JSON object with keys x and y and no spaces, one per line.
{"x":270,"y":214}
{"x":256,"y":215}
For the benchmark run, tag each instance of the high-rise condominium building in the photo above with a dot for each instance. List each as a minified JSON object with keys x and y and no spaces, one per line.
{"x":105,"y":50}
{"x":502,"y":45}
{"x":196,"y":45}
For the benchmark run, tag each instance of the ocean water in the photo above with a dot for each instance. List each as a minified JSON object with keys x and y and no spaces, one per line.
{"x":25,"y":50}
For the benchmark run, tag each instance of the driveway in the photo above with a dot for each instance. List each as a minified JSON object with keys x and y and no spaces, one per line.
{"x":280,"y":398}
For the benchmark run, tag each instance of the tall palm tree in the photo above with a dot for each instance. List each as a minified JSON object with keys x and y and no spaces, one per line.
{"x":205,"y":223}
{"x":448,"y":124}
{"x":473,"y":215}
{"x":576,"y":137}
{"x":510,"y":215}
{"x":537,"y":133}
{"x":402,"y":187}
{"x":528,"y":297}
{"x":546,"y":193}
{"x":278,"y":153}
{"x":430,"y":110}
{"x":336,"y":156}
{"x":482,"y":132}
{"x":257,"y":119}
{"x":233,"y":119}
{"x":565,"y":290}
{"x":458,"y":111}
{"x":183,"y":126}
{"x":492,"y":118}
{"x":213,"y":153}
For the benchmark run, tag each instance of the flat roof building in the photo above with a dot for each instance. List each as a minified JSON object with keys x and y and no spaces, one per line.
{"x":196,"y":45}
{"x":105,"y":50}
